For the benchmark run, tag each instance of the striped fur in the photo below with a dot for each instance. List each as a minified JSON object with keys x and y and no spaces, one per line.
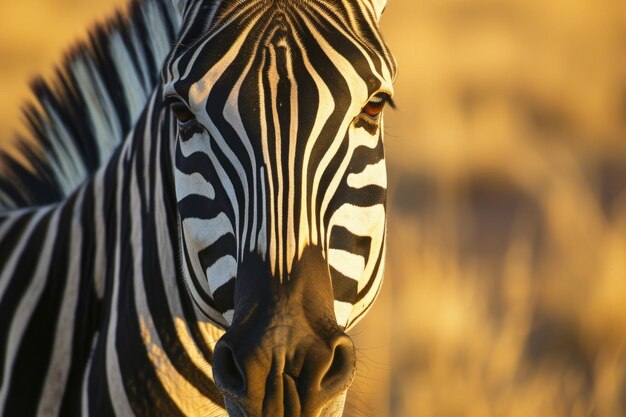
{"x":84,"y":113}
{"x":277,"y":91}
{"x":122,"y":234}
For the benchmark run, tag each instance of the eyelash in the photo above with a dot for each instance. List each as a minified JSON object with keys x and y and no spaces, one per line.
{"x":369,"y":118}
{"x":375,"y":106}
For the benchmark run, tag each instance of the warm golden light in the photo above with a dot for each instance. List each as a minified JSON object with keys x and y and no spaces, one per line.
{"x":505,"y":292}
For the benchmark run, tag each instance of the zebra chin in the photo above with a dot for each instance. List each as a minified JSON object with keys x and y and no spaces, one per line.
{"x":285,"y":354}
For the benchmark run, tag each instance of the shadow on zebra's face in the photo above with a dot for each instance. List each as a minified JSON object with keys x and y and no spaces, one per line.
{"x":280,"y":183}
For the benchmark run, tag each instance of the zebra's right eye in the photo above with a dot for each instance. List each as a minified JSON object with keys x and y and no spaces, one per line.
{"x":180,"y":111}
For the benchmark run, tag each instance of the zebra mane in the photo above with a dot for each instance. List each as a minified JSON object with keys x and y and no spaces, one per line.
{"x":81,"y":115}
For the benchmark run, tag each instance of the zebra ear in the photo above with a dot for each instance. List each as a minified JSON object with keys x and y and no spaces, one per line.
{"x":379,"y":7}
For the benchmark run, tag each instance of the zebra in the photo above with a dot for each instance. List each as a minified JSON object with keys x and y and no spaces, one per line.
{"x":197,"y":214}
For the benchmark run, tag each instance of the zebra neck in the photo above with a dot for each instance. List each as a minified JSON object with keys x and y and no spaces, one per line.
{"x":152,"y":341}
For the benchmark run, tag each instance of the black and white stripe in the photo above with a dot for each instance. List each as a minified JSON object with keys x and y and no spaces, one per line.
{"x":122,"y":235}
{"x":284,"y":164}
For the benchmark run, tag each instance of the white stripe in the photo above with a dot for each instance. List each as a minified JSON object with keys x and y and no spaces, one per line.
{"x":323,"y":111}
{"x":233,"y":116}
{"x":202,"y":233}
{"x":9,"y":269}
{"x":57,"y":374}
{"x":363,"y":221}
{"x":342,"y":312}
{"x":375,"y":174}
{"x":6,"y":222}
{"x":160,"y":44}
{"x":184,"y":394}
{"x":84,"y":403}
{"x":269,"y":174}
{"x":99,"y":235}
{"x":221,"y":272}
{"x":131,"y":85}
{"x":358,"y":92}
{"x":168,"y":271}
{"x":137,"y":45}
{"x":102,"y":113}
{"x":199,"y":234}
{"x":31,"y":297}
{"x":229,"y":315}
{"x":384,"y":78}
{"x":115,"y":384}
{"x":197,"y":143}
{"x":149,"y":142}
{"x":293,"y":136}
{"x":277,"y":214}
{"x":193,"y":184}
{"x":262,"y":238}
{"x":206,"y":309}
{"x":371,"y":296}
{"x":69,"y":169}
{"x":347,"y":263}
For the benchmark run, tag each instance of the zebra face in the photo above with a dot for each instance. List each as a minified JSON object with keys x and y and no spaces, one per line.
{"x":280,"y":182}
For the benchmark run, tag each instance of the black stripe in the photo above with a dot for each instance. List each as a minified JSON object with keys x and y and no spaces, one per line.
{"x":37,"y":343}
{"x":344,"y":288}
{"x":364,"y":156}
{"x":97,"y":388}
{"x":161,"y":314}
{"x":225,"y":245}
{"x":370,"y":283}
{"x":87,"y":317}
{"x":367,"y":196}
{"x":327,"y":177}
{"x":198,"y":207}
{"x":346,"y":48}
{"x":16,"y":288}
{"x":342,"y":238}
{"x":196,"y":163}
{"x":12,"y":237}
{"x":195,"y":281}
{"x":225,"y":297}
{"x":143,"y":388}
{"x":141,"y":383}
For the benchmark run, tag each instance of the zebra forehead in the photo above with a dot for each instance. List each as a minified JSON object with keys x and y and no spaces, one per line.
{"x":259,"y":23}
{"x":208,"y":8}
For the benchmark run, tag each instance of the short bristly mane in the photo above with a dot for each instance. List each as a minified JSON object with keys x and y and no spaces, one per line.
{"x":85,"y":111}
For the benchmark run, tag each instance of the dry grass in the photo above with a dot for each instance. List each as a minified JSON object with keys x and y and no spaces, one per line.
{"x":506,"y":284}
{"x":506,"y":290}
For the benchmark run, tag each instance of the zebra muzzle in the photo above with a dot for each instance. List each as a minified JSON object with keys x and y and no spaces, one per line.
{"x":284,"y":354}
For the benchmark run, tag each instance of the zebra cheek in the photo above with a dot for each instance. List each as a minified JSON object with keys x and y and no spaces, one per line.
{"x":343,"y":311}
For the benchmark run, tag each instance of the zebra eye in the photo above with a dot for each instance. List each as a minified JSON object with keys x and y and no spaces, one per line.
{"x":180,"y":110}
{"x":375,"y":106}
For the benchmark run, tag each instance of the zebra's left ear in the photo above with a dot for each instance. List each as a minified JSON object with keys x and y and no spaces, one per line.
{"x":379,"y":7}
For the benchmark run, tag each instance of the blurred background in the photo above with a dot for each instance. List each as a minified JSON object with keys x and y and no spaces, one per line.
{"x":505,"y":292}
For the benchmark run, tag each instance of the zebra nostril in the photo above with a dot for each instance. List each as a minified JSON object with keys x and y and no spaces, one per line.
{"x":342,"y":366}
{"x":226,"y":371}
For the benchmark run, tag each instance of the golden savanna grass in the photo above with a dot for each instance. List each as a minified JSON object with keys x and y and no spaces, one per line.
{"x":506,"y":276}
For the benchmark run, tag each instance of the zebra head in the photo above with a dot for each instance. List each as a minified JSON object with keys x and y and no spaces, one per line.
{"x":280,"y":182}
